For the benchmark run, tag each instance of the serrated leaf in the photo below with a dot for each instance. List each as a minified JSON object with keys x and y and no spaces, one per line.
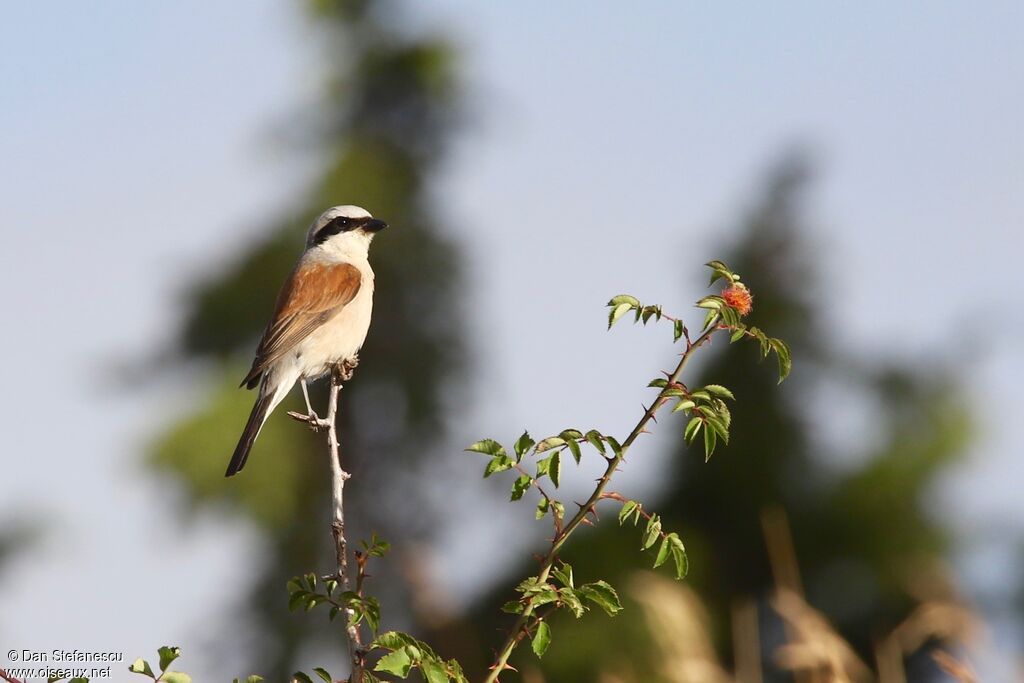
{"x":433,"y":670}
{"x":673,"y":391}
{"x":616,"y":446}
{"x":603,"y":595}
{"x":617,"y":312}
{"x":710,"y":319}
{"x":594,"y":439}
{"x":627,"y":509}
{"x":549,"y":443}
{"x":542,"y":507}
{"x":701,"y":395}
{"x":520,"y":486}
{"x":719,"y":390}
{"x":624,"y":299}
{"x":692,"y":427}
{"x":659,"y":382}
{"x":555,"y":471}
{"x":716,"y":423}
{"x":487,"y":447}
{"x":679,"y":557}
{"x":572,"y":601}
{"x":175,"y":677}
{"x":322,"y":673}
{"x":498,"y":463}
{"x":683,"y":405}
{"x":574,"y":448}
{"x":141,"y":666}
{"x":785,"y":359}
{"x":513,"y":607}
{"x":677,"y":330}
{"x":522,"y":445}
{"x":712,"y":303}
{"x":397,"y":662}
{"x":254,"y":679}
{"x":302,"y":677}
{"x":663,"y":552}
{"x":738,"y":334}
{"x":541,"y":639}
{"x":167,"y":655}
{"x":564,"y":574}
{"x":710,"y":441}
{"x":652,"y":532}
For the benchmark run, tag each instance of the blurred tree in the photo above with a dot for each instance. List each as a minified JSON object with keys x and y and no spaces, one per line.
{"x":857,"y":522}
{"x":386,"y":121}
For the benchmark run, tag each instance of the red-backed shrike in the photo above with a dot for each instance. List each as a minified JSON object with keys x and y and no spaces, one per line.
{"x":321,"y":317}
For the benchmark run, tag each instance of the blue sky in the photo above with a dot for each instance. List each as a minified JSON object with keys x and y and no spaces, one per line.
{"x":141,"y":142}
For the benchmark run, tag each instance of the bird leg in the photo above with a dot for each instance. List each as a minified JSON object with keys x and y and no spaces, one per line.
{"x":310,"y":418}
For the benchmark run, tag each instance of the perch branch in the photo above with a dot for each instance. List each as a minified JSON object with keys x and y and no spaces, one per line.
{"x":339,"y":374}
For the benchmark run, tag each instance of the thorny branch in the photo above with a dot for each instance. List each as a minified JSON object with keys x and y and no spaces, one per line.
{"x":519,"y":630}
{"x":339,"y":374}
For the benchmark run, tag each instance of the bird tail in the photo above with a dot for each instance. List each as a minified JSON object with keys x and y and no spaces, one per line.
{"x":264,"y":404}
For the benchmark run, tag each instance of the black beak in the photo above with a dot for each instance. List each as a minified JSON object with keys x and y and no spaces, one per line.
{"x":374,"y":225}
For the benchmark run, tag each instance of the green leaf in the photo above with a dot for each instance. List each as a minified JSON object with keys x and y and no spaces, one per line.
{"x":716,"y":423}
{"x":783,"y":355}
{"x":543,"y":466}
{"x":616,"y":446}
{"x":302,"y":677}
{"x":574,"y":448}
{"x":549,"y":443}
{"x":141,"y":666}
{"x":739,"y":333}
{"x":692,"y":427}
{"x":487,"y":447}
{"x":175,"y":677}
{"x":712,"y":303}
{"x":254,"y":679}
{"x":167,"y":655}
{"x":624,"y":299}
{"x":679,"y":557}
{"x":398,"y":663}
{"x":541,"y":639}
{"x":521,"y":486}
{"x":513,"y":607}
{"x":683,"y":405}
{"x":542,"y":507}
{"x":433,"y":671}
{"x":617,"y":312}
{"x":652,"y":532}
{"x":572,"y":601}
{"x":663,"y":552}
{"x":677,"y":330}
{"x":322,"y":673}
{"x":628,"y":508}
{"x":710,"y":441}
{"x":522,"y":445}
{"x":602,"y":595}
{"x":594,"y":439}
{"x":555,"y":471}
{"x":719,"y":390}
{"x":498,"y":463}
{"x":659,"y":382}
{"x":710,"y":319}
{"x":297,"y":599}
{"x":564,"y":574}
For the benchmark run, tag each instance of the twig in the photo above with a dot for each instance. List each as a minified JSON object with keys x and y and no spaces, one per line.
{"x":339,"y":374}
{"x":518,"y":630}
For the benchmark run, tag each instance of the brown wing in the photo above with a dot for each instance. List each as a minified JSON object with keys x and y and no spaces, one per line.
{"x":312,"y":295}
